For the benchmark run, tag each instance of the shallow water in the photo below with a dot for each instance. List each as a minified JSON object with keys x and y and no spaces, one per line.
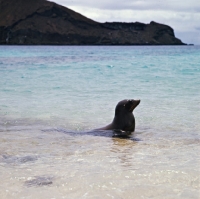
{"x":51,"y":99}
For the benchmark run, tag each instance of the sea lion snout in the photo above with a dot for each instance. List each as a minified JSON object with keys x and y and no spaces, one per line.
{"x":138,"y":101}
{"x":134,"y":104}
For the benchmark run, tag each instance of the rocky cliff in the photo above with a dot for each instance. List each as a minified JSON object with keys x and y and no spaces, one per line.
{"x":40,"y":22}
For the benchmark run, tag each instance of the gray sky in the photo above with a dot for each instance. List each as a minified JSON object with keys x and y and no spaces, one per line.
{"x":182,"y":15}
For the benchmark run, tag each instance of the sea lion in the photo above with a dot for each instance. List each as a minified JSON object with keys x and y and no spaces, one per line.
{"x":124,"y":119}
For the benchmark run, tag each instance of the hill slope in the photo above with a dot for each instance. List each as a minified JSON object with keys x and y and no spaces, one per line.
{"x":40,"y":22}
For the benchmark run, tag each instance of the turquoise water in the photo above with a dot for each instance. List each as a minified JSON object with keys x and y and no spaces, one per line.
{"x":48,"y":91}
{"x":82,"y":85}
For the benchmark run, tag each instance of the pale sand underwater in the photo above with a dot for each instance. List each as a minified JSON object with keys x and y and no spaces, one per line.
{"x":52,"y":163}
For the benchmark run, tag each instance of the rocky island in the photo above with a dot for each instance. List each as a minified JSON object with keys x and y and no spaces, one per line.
{"x":41,"y":22}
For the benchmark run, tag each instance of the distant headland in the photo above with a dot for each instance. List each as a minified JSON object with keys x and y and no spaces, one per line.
{"x":40,"y":22}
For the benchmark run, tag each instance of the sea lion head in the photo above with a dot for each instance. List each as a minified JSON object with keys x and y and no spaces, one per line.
{"x":126,"y":106}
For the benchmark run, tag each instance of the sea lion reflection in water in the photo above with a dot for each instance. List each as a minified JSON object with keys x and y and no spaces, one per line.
{"x":123,"y":123}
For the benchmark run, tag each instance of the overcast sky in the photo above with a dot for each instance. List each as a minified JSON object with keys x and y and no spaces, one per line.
{"x":182,"y":15}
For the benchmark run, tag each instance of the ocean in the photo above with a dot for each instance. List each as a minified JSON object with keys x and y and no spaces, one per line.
{"x":51,"y":99}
